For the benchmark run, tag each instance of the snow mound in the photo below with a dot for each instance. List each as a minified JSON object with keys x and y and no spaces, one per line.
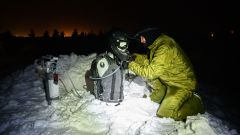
{"x":24,"y":110}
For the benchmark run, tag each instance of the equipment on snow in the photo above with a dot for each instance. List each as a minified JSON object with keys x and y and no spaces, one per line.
{"x":107,"y":69}
{"x":107,"y":78}
{"x":51,"y":78}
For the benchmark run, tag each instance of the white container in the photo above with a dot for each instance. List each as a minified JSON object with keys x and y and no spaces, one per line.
{"x":52,"y":86}
{"x":53,"y":90}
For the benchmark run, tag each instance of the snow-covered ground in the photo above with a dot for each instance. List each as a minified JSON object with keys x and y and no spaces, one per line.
{"x":24,"y":109}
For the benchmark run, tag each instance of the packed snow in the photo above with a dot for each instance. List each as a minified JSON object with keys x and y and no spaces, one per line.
{"x":25,"y":111}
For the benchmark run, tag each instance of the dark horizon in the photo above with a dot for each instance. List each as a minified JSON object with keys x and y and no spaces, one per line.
{"x":20,"y":17}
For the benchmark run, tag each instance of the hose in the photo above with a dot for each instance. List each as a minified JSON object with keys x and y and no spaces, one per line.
{"x":99,"y":78}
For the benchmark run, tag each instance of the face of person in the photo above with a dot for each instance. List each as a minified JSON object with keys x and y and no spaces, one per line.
{"x":143,"y":39}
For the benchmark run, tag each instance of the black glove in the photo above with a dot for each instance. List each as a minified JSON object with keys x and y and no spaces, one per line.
{"x":131,"y":58}
{"x":125,"y":64}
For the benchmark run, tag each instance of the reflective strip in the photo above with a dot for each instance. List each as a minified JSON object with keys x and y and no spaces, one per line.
{"x":113,"y":86}
{"x":197,"y":96}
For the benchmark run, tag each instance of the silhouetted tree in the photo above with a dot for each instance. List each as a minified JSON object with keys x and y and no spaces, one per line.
{"x":32,"y":34}
{"x":46,"y":34}
{"x":6,"y":34}
{"x":62,"y":34}
{"x":75,"y":33}
{"x":100,"y":33}
{"x":55,"y":33}
{"x":91,"y":34}
{"x":82,"y":34}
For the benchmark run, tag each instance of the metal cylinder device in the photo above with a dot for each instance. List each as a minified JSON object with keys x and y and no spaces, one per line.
{"x":51,"y":79}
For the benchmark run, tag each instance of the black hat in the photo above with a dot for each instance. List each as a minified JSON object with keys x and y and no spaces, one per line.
{"x":150,"y":33}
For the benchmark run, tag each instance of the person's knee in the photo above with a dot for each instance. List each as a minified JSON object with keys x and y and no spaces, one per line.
{"x":167,"y":113}
{"x":155,"y":98}
{"x":191,"y":107}
{"x":178,"y":104}
{"x":158,"y":91}
{"x":157,"y":95}
{"x":172,"y":107}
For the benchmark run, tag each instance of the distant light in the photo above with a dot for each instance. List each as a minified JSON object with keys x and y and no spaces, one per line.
{"x":212,"y":34}
{"x":231,"y":31}
{"x":16,"y":35}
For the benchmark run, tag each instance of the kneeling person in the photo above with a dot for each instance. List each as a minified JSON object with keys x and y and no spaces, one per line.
{"x":169,"y":73}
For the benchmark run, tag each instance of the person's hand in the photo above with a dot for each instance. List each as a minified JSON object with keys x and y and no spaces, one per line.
{"x":131,"y":58}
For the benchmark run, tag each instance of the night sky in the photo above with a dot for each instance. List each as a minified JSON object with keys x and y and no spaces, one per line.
{"x":95,"y":15}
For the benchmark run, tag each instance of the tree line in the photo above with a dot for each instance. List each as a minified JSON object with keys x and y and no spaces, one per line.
{"x":56,"y":43}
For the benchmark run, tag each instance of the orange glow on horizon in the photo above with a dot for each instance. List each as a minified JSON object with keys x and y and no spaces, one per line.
{"x":67,"y":31}
{"x":67,"y":34}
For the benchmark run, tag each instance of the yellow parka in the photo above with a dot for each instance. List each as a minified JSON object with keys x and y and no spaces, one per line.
{"x":170,"y":73}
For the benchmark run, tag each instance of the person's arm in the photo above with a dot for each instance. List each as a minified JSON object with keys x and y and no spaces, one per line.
{"x":154,"y":68}
{"x":141,"y":59}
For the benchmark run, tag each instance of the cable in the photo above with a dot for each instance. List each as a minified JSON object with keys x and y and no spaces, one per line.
{"x":64,"y":85}
{"x":99,"y":78}
{"x":71,"y":81}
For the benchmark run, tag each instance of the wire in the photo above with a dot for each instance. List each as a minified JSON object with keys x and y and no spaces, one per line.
{"x":74,"y":88}
{"x":64,"y":85}
{"x":99,"y":78}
